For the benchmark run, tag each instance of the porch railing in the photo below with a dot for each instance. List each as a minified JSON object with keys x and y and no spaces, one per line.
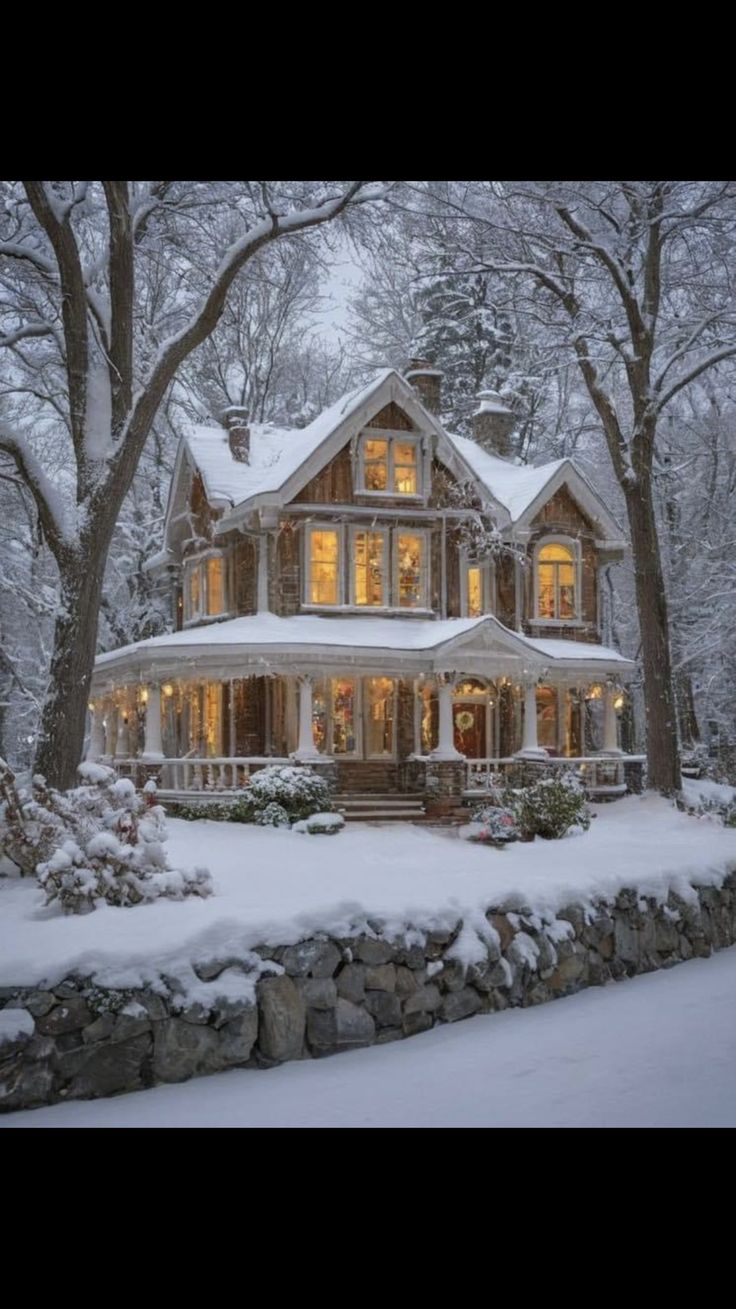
{"x":223,"y":775}
{"x":601,"y":775}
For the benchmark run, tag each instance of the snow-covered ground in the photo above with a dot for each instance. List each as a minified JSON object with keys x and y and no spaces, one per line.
{"x":278,"y":886}
{"x":655,"y":1051}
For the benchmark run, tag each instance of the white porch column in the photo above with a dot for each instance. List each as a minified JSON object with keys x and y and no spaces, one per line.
{"x":96,"y":747}
{"x":446,"y":735}
{"x":530,"y":747}
{"x":152,"y":748}
{"x":610,"y":724}
{"x":111,"y":729}
{"x":305,"y":749}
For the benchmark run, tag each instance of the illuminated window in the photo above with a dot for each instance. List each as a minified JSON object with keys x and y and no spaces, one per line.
{"x":375,"y":465}
{"x":389,"y":465}
{"x":379,"y":716}
{"x":194,"y":590}
{"x":343,"y":715}
{"x":204,"y":587}
{"x":547,"y":717}
{"x":215,"y":585}
{"x":556,"y":567}
{"x":369,"y":568}
{"x":410,"y":570}
{"x":323,"y":559}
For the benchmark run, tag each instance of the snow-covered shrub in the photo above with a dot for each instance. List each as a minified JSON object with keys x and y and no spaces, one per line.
{"x":217,"y":810}
{"x":551,"y":808}
{"x":321,"y":824}
{"x":492,"y":825}
{"x":298,"y":791}
{"x":272,"y":815}
{"x":718,"y":809}
{"x":98,"y":841}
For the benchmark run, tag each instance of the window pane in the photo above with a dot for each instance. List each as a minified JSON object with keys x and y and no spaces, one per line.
{"x":343,"y":715}
{"x":215,"y":587}
{"x":194,"y":591}
{"x":323,"y":567}
{"x":565,"y":574}
{"x":212,"y":718}
{"x":475,"y":593}
{"x":546,"y":591}
{"x":547,"y":717}
{"x":369,"y":568}
{"x":319,"y":715}
{"x":376,"y":449}
{"x":567,"y":602}
{"x":405,"y":467}
{"x":379,"y":693}
{"x":405,"y":479}
{"x":555,"y":551}
{"x":409,"y":549}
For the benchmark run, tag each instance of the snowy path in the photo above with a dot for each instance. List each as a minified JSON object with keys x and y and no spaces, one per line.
{"x":655,"y":1051}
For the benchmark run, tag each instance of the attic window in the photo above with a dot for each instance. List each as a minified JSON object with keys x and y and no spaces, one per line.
{"x":388,"y":464}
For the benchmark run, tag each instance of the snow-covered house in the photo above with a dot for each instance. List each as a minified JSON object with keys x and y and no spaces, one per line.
{"x":374,"y":595}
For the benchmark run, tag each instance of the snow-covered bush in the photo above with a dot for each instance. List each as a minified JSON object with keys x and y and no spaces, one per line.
{"x":299,"y":791}
{"x":551,"y":808}
{"x":99,"y":841}
{"x":272,"y":815}
{"x":321,"y":824}
{"x":492,"y":825}
{"x":718,"y":809}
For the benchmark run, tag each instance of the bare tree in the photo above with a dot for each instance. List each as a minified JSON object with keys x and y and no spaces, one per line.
{"x":105,"y":290}
{"x":636,"y":280}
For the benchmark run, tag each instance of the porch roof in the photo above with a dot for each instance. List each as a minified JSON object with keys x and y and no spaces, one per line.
{"x":268,"y":643}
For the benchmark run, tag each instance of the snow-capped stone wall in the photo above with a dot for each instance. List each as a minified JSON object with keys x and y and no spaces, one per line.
{"x":79,"y":1041}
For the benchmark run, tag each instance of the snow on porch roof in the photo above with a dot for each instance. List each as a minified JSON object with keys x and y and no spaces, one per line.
{"x":365,"y":632}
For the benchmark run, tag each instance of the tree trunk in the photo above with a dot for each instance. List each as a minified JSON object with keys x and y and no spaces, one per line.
{"x":659,"y":699}
{"x":689,"y":728}
{"x":61,"y":737}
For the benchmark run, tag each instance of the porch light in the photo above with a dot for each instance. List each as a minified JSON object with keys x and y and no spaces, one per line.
{"x":619,"y":701}
{"x":144,"y":695}
{"x":91,"y":707}
{"x":167,"y":689}
{"x":595,"y":692}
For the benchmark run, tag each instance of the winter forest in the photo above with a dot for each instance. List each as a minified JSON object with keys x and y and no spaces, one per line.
{"x":602,"y":312}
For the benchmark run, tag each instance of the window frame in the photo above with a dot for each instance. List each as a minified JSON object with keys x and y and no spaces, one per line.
{"x":385,"y":532}
{"x":392,"y":439}
{"x":198,"y":563}
{"x":487,"y":582}
{"x":573,"y":545}
{"x":423,"y":533}
{"x":323,"y":526}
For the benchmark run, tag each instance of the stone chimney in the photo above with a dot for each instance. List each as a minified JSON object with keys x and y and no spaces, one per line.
{"x":493,"y":422}
{"x":427,"y":382}
{"x":235,"y":420}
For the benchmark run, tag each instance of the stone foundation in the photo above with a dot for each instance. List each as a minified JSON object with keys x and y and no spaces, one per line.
{"x":325,"y":995}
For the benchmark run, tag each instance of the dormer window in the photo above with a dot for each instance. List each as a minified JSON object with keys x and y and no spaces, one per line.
{"x":556,"y":577}
{"x":388,"y":464}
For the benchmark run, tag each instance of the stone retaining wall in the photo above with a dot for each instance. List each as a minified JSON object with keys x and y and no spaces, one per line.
{"x":325,"y":995}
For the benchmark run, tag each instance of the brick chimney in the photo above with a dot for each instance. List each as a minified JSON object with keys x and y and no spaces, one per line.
{"x":427,"y":382}
{"x":235,"y":420}
{"x":493,"y":422}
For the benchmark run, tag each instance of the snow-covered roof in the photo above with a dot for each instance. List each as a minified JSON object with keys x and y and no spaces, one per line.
{"x":259,"y":635}
{"x":283,"y":459}
{"x":513,"y":486}
{"x":275,"y":453}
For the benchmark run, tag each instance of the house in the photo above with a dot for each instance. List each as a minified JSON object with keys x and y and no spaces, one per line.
{"x":399,"y":606}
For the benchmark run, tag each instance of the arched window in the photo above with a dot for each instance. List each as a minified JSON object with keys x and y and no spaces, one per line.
{"x":556,"y":582}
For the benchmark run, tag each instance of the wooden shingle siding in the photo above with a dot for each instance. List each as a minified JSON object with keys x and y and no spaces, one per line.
{"x":285,"y":571}
{"x":244,"y":575}
{"x":392,"y":418}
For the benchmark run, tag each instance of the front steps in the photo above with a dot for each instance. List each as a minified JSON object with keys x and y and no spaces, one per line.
{"x":373,"y":808}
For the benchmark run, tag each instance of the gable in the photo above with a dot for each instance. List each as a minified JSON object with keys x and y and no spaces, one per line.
{"x":562,"y":513}
{"x":393,"y":418}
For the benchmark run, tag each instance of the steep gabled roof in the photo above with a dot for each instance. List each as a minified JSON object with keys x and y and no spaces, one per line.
{"x":283,"y":461}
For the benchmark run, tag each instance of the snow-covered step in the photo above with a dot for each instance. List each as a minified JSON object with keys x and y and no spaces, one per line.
{"x":380,"y":808}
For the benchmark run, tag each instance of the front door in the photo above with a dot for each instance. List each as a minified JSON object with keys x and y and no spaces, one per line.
{"x":469,"y":718}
